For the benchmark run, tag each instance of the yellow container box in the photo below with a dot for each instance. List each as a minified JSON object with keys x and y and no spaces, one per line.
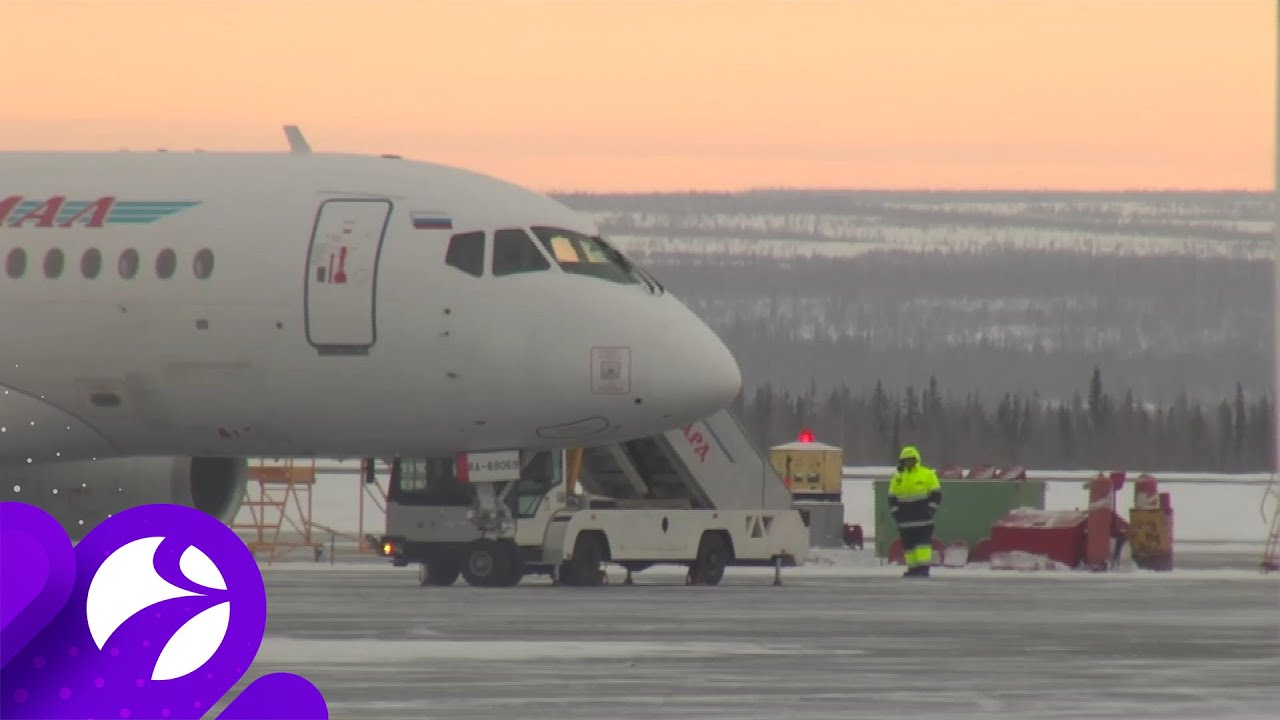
{"x":813,"y":470}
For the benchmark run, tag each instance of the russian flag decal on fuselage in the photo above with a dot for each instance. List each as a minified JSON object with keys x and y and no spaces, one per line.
{"x":431,"y":220}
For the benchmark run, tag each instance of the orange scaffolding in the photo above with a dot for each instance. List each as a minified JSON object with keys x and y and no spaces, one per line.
{"x":372,"y":489}
{"x":283,"y":497}
{"x":369,"y":489}
{"x":1271,"y":503}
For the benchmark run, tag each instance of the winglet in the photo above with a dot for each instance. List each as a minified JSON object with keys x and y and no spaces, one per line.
{"x":297,"y":143}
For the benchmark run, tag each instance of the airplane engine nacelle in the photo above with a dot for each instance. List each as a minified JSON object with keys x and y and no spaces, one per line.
{"x":82,"y":494}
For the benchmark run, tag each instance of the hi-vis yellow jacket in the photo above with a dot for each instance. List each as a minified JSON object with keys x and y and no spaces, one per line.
{"x":914,"y":494}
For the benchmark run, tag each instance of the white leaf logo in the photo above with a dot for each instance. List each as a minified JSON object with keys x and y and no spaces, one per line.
{"x":127,"y":583}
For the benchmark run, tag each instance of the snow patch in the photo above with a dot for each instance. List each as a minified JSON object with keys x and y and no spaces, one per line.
{"x":1025,"y":561}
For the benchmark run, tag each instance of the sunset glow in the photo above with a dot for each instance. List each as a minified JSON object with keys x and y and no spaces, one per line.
{"x":659,"y":95}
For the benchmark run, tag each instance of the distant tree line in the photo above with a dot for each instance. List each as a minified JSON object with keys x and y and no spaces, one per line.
{"x":1100,"y":212}
{"x":1096,"y":429}
{"x":989,"y":322}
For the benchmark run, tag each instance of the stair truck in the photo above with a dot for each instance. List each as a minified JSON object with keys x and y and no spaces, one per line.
{"x":700,"y":496}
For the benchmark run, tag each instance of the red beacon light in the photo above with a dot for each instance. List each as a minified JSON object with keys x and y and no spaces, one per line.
{"x":806,"y":436}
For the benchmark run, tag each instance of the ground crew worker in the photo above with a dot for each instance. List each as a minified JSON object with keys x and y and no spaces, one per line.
{"x":914,"y":497}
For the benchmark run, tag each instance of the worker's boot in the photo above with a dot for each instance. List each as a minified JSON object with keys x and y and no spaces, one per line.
{"x":917,"y":571}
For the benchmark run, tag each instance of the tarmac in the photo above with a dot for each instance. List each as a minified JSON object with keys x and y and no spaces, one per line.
{"x":842,"y":638}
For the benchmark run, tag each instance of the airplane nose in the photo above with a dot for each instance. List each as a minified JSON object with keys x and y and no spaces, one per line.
{"x":696,"y":372}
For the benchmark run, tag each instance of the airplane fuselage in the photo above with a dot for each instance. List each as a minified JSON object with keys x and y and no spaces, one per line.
{"x":232,"y":305}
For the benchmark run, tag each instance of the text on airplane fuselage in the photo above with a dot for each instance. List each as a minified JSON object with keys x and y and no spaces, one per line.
{"x":17,"y":211}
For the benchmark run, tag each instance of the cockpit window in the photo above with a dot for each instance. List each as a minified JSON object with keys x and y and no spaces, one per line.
{"x":514,"y":252}
{"x":585,"y":255}
{"x":466,"y":252}
{"x":562,"y":248}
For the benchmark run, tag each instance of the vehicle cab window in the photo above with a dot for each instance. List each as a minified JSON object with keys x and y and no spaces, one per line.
{"x":466,"y":252}
{"x":586,"y":255}
{"x":544,"y":471}
{"x":514,"y":252}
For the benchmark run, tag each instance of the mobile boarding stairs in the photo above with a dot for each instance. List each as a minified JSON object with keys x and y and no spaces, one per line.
{"x":702,"y":496}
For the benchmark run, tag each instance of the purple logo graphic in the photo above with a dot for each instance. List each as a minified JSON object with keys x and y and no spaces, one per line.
{"x":157,"y":613}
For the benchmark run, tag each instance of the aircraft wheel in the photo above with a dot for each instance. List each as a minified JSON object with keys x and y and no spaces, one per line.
{"x":484,"y":563}
{"x":713,"y":556}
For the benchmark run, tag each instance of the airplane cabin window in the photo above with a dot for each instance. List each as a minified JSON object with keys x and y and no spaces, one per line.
{"x":54,"y":261}
{"x":166,"y":263}
{"x":514,"y":252}
{"x":91,"y":263}
{"x":15,"y":263}
{"x":128,"y":264}
{"x":466,"y":252}
{"x":202,"y":264}
{"x":585,"y":255}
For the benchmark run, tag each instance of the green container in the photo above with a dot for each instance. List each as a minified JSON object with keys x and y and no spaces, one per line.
{"x":969,"y":509}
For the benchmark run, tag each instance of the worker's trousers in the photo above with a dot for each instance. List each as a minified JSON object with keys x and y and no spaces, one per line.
{"x":917,"y":545}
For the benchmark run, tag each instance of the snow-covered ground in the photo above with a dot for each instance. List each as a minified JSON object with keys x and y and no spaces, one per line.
{"x":844,"y":639}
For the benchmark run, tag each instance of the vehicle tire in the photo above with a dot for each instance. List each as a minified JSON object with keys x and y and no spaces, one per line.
{"x":484,"y":564}
{"x":514,"y":564}
{"x":713,"y":557}
{"x":584,"y":569}
{"x":442,"y":569}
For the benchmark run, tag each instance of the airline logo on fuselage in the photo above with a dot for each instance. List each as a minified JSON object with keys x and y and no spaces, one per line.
{"x":17,"y":211}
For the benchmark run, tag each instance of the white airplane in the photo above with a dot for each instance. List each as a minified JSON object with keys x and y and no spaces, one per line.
{"x":179,"y":312}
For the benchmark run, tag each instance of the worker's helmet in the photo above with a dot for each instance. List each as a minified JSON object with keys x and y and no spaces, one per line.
{"x":909,"y":452}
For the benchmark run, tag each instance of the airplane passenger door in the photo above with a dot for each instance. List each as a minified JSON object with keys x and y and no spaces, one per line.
{"x":342,"y":275}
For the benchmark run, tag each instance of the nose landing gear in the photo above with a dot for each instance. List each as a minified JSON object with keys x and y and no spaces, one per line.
{"x":492,"y":563}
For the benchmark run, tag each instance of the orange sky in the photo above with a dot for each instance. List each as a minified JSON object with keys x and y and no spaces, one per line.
{"x":666,"y":95}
